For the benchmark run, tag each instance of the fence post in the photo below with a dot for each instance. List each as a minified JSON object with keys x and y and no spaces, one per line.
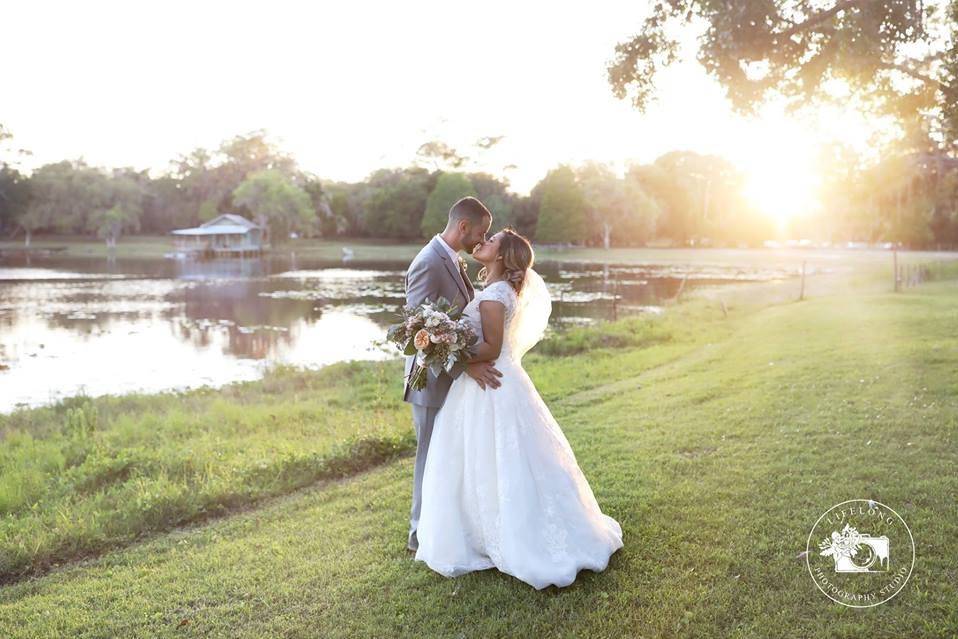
{"x":678,"y":295}
{"x":615,"y":299}
{"x":801,"y":293}
{"x":894,"y":258}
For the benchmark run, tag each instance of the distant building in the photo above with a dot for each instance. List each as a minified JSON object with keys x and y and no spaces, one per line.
{"x":226,"y":234}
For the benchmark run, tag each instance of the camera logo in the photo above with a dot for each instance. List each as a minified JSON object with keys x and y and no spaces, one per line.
{"x":855,"y":552}
{"x":856,"y":568}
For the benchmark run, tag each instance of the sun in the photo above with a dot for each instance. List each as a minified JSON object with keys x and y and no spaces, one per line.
{"x":783,"y":186}
{"x":782,"y":156}
{"x":780,"y":161}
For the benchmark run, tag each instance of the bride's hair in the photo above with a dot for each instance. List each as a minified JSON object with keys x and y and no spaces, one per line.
{"x":517,"y":255}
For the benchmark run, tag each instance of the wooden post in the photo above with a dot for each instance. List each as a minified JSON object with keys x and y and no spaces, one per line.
{"x":678,"y":295}
{"x":615,"y":299}
{"x":801,"y":293}
{"x":894,"y":261}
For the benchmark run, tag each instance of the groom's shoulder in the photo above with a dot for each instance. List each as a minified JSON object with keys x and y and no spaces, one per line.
{"x":425,"y":256}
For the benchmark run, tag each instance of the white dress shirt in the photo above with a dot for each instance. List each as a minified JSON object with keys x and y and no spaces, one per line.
{"x":453,"y":254}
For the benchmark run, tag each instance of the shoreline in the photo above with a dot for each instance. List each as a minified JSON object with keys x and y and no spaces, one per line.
{"x":371,"y":249}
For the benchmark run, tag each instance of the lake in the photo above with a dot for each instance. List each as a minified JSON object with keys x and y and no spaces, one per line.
{"x":72,"y":325}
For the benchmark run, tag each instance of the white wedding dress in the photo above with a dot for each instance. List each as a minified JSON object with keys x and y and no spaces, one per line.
{"x":501,"y":486}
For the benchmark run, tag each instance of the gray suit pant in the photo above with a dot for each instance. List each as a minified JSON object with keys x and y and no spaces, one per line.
{"x":423,"y":418}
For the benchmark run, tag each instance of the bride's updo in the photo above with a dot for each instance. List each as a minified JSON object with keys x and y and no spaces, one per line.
{"x":517,"y":255}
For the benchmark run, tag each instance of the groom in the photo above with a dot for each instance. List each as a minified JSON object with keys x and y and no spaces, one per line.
{"x":438,"y":271}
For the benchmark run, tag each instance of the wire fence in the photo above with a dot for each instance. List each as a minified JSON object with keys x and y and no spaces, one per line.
{"x":908,"y":275}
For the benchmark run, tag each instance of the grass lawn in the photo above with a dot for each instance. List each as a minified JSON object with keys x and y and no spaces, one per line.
{"x":715,"y":442}
{"x":88,"y":474}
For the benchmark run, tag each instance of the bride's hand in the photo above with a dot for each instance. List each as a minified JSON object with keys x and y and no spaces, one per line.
{"x":484,"y":373}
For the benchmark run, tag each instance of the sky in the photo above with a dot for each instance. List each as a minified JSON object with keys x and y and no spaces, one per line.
{"x":349,"y":87}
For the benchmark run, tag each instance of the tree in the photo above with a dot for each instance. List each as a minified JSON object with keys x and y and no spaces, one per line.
{"x":209,"y":179}
{"x":245,"y":155}
{"x":449,"y":188}
{"x":9,"y":155}
{"x":14,"y":196}
{"x":441,"y":156}
{"x":495,"y":195}
{"x":525,"y":214}
{"x":164,"y":205}
{"x":207,"y":210}
{"x":197,"y":185}
{"x":110,"y":223}
{"x":121,"y":209}
{"x":62,"y":195}
{"x":320,"y":201}
{"x":562,"y":209}
{"x":347,"y":204}
{"x":395,"y":201}
{"x":34,"y":216}
{"x":618,"y":210}
{"x":275,"y":203}
{"x":894,"y":54}
{"x":669,"y":181}
{"x":13,"y":187}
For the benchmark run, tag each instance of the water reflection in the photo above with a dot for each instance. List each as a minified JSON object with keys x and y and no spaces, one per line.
{"x":71,"y":325}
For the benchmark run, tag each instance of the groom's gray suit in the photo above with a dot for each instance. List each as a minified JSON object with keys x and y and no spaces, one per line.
{"x":431,"y":275}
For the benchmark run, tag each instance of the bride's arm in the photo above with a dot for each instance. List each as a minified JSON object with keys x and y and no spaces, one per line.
{"x":493,"y":317}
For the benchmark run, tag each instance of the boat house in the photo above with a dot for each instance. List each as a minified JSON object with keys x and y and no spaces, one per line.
{"x":225,"y":235}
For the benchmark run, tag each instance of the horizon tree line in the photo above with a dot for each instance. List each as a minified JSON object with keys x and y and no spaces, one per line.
{"x":683,"y":198}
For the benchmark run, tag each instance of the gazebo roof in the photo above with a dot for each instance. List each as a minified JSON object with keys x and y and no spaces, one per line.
{"x":230,"y":218}
{"x":218,"y":229}
{"x":223,"y":224}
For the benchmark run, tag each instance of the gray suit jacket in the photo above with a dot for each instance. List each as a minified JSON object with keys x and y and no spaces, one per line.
{"x":431,"y":275}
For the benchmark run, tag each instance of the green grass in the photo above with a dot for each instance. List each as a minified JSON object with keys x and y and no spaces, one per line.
{"x":89,"y":474}
{"x":716,"y":446}
{"x":73,"y":246}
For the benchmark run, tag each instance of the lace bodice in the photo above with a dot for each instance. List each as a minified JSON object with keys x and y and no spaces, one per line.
{"x":500,"y":291}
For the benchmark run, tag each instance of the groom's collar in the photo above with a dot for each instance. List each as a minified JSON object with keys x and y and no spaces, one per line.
{"x":449,"y":250}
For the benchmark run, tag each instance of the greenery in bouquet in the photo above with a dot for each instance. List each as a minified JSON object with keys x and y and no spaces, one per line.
{"x":437,"y":334}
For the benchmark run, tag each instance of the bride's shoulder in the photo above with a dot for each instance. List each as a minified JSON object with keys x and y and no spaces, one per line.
{"x":500,"y":291}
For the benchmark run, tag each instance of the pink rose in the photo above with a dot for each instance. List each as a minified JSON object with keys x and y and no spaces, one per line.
{"x":421,"y":340}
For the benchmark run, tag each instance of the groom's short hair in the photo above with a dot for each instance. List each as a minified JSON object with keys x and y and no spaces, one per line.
{"x":468,"y":208}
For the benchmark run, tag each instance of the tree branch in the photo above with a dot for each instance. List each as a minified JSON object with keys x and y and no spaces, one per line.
{"x":816,"y":18}
{"x":913,"y":73}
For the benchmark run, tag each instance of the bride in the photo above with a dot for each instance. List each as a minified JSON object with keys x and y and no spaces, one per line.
{"x":501,"y":486}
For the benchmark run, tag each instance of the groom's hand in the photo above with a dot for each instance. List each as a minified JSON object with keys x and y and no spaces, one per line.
{"x":484,"y":373}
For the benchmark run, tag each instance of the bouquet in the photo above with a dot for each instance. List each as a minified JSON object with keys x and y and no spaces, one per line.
{"x":436,"y":334}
